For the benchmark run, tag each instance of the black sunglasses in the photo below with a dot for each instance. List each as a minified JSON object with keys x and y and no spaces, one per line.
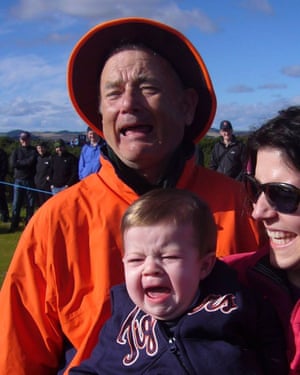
{"x":282,"y":197}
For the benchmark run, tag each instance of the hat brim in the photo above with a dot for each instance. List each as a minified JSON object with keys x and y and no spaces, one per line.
{"x":90,"y":53}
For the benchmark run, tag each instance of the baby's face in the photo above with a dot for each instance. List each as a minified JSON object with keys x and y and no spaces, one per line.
{"x":163,"y":268}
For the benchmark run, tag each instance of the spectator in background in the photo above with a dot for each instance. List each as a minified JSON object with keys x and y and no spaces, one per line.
{"x":3,"y":172}
{"x":23,"y":161}
{"x":89,"y":160}
{"x":43,"y":173}
{"x":228,"y":154}
{"x":64,"y":168}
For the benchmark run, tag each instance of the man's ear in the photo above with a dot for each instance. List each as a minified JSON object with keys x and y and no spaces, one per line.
{"x":207,"y":264}
{"x":190,"y":105}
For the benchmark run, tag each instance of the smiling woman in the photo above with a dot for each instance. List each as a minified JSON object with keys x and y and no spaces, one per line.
{"x":273,"y":187}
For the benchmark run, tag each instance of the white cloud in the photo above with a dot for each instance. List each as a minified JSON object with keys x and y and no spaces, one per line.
{"x":37,"y":79}
{"x":273,"y":86}
{"x":262,"y":6}
{"x":240,"y":89}
{"x":37,"y":115}
{"x":250,"y":116}
{"x":97,"y":11}
{"x":24,"y":68}
{"x":291,"y":71}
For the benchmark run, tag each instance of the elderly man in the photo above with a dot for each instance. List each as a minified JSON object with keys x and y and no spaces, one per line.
{"x":144,"y":88}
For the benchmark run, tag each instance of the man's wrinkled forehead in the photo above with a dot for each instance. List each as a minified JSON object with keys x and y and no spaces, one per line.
{"x":148,"y":52}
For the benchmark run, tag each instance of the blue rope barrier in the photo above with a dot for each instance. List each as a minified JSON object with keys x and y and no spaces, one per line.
{"x":26,"y":187}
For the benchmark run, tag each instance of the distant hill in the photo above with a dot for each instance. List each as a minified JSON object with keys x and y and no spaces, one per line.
{"x":69,"y":136}
{"x":213,"y":132}
{"x":66,"y":135}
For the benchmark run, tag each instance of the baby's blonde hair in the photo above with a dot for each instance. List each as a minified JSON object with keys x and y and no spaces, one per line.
{"x":174,"y":206}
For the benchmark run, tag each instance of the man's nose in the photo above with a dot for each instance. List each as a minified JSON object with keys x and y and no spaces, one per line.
{"x":130,"y":100}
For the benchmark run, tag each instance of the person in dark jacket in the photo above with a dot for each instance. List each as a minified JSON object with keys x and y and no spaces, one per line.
{"x":64,"y":168}
{"x":3,"y":172}
{"x":43,"y":173}
{"x":229,"y":153}
{"x":181,"y":310}
{"x":23,"y":162}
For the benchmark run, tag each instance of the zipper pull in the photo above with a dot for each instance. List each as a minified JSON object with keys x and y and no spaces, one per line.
{"x":172,"y":342}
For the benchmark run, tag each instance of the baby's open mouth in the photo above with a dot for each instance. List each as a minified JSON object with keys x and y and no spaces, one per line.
{"x":154,"y":292}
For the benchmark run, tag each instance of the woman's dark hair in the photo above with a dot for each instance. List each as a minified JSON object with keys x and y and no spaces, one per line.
{"x":281,"y":132}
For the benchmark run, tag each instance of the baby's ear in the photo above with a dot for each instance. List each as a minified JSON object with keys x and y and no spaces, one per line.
{"x":207,"y":264}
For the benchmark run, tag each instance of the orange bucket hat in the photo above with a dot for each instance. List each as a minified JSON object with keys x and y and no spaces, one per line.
{"x":90,"y":53}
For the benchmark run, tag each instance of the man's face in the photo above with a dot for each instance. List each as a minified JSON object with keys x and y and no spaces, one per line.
{"x":226,"y":134}
{"x":92,"y":136}
{"x":144,"y":109}
{"x":59,"y":150}
{"x":24,"y":141}
{"x":41,"y":149}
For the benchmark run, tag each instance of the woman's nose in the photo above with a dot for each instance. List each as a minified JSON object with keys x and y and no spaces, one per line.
{"x":262,"y":209}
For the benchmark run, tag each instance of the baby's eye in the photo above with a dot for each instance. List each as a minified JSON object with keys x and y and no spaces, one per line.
{"x":134,"y":260}
{"x":171,"y":257}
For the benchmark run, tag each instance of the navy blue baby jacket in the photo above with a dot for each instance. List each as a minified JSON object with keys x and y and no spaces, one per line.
{"x":227,"y":331}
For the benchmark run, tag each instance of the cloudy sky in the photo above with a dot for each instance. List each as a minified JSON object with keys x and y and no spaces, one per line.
{"x":251,"y":49}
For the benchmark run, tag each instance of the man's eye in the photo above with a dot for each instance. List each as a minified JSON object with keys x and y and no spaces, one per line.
{"x":151,"y":90}
{"x":113,"y":94}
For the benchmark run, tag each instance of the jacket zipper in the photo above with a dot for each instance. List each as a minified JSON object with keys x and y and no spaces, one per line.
{"x":175,"y":351}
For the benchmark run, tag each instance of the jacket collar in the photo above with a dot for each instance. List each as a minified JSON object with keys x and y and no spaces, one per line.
{"x":138,"y":183}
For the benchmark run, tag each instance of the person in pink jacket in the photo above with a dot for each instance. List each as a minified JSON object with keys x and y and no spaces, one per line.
{"x":273,"y":187}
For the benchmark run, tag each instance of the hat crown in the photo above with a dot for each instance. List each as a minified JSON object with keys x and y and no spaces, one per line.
{"x":225,"y":124}
{"x":24,"y":135}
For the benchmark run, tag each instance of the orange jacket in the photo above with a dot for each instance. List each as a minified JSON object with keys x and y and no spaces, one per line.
{"x":69,"y":255}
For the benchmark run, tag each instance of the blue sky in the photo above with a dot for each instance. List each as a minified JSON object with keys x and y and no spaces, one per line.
{"x":250,"y":47}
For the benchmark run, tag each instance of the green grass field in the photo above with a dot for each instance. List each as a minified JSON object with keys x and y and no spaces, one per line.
{"x":8,"y":242}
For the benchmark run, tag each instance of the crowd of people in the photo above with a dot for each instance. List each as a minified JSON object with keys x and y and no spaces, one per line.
{"x":38,"y":174}
{"x":156,"y":263}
